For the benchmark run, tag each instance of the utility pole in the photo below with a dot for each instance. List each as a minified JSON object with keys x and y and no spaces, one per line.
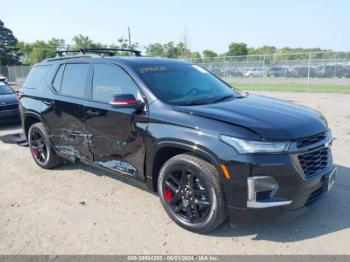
{"x":129,"y":34}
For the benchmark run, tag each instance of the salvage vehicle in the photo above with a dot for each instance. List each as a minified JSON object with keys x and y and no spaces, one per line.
{"x":8,"y":104}
{"x":211,"y":152}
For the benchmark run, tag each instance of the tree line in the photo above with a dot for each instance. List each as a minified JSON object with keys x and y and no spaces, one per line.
{"x":14,"y":52}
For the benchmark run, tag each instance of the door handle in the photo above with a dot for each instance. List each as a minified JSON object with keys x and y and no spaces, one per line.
{"x":49,"y":102}
{"x":93,"y":112}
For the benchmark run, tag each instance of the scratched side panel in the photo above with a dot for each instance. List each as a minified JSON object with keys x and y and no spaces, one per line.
{"x":66,"y":125}
{"x":117,"y":138}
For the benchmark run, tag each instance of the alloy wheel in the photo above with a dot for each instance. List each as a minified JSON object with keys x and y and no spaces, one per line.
{"x":186,"y":195}
{"x":38,"y":147}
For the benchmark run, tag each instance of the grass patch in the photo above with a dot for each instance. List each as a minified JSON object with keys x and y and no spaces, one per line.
{"x":313,"y":88}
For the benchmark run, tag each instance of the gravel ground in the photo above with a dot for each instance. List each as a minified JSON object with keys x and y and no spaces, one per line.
{"x":76,"y":209}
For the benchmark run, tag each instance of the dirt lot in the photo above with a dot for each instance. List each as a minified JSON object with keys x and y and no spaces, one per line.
{"x":76,"y":209}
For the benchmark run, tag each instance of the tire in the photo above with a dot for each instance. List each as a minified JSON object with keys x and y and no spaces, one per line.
{"x":175,"y":192}
{"x":36,"y":133}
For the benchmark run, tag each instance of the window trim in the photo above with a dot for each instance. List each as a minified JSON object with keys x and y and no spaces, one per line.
{"x":120,"y":67}
{"x":54,"y":77}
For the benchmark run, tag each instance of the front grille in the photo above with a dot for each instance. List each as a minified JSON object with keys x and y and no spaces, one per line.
{"x":311,"y":140}
{"x":8,"y":107}
{"x":315,"y":161}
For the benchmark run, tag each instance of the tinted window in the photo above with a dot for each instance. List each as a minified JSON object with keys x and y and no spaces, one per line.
{"x":110,"y":80}
{"x":38,"y":76}
{"x":58,"y":78}
{"x":74,"y":79}
{"x":184,"y":84}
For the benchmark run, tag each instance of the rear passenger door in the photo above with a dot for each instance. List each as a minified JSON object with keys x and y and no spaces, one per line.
{"x":117,"y":135}
{"x":65,"y":116}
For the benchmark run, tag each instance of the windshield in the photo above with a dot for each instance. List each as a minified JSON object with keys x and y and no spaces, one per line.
{"x":185,"y":84}
{"x":5,"y":90}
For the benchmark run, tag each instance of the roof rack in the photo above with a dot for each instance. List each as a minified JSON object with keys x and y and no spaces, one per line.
{"x":109,"y":51}
{"x":71,"y":57}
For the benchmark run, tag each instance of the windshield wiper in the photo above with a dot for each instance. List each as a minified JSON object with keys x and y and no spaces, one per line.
{"x":192,"y":103}
{"x":222,"y":98}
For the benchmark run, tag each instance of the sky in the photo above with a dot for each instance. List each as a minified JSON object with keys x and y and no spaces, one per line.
{"x":209,"y":24}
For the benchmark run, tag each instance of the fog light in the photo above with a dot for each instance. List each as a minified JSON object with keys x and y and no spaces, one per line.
{"x":261,"y":192}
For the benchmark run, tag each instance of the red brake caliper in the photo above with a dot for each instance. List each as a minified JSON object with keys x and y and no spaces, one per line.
{"x":35,"y":153}
{"x":168,"y":194}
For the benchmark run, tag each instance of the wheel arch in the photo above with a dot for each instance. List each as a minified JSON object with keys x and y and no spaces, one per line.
{"x":30,"y":119}
{"x":167,"y":149}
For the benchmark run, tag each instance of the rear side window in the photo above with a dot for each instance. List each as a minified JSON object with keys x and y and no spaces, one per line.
{"x":39,"y":76}
{"x":74,"y":79}
{"x":111,"y":80}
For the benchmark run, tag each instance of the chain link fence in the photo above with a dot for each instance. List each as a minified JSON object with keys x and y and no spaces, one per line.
{"x":314,"y":71}
{"x":306,"y":72}
{"x":15,"y":74}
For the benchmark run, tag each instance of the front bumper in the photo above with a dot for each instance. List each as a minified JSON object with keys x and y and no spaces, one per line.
{"x":295,"y":190}
{"x":312,"y":191}
{"x":9,"y":115}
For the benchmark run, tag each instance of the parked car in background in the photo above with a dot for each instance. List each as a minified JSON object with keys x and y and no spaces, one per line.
{"x":278,"y":71}
{"x":325,"y":70}
{"x":8,"y":104}
{"x":3,"y":78}
{"x":233,"y":72}
{"x":254,"y":72}
{"x":341,"y":70}
{"x":300,"y":71}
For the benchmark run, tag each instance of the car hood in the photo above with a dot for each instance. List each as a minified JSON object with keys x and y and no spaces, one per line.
{"x":8,"y":99}
{"x":268,"y":117}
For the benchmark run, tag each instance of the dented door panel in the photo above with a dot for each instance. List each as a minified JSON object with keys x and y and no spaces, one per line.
{"x":67,"y":130}
{"x":117,"y":138}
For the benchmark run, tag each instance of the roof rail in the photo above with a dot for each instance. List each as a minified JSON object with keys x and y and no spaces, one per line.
{"x":109,"y":51}
{"x":71,"y":57}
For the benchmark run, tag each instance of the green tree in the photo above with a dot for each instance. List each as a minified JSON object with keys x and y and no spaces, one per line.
{"x":39,"y":50}
{"x":182,"y":50}
{"x":82,"y":41}
{"x":237,"y":49}
{"x":122,"y":42}
{"x":265,"y":50}
{"x":9,"y":53}
{"x":155,"y":49}
{"x":196,"y":56}
{"x":207,"y":53}
{"x":170,"y":50}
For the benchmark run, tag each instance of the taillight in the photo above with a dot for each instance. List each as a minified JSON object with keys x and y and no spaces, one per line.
{"x":18,"y":95}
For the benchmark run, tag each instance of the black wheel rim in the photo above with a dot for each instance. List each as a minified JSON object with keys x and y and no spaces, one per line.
{"x":38,"y":146}
{"x":186,"y":195}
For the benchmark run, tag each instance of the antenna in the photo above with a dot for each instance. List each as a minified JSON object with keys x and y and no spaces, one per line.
{"x":129,"y":34}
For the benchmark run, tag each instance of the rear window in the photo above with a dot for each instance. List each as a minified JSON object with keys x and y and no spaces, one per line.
{"x":74,"y":79}
{"x":38,"y":77}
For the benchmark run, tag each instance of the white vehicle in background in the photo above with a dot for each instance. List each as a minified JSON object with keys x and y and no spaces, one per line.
{"x":254,"y":72}
{"x":3,"y":78}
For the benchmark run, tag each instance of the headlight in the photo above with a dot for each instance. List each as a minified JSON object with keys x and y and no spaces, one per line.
{"x":250,"y":146}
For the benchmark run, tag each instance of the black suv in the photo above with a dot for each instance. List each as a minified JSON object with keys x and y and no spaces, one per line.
{"x":210,"y":151}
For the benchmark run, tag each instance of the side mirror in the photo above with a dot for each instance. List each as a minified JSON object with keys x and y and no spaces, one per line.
{"x":126,"y":101}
